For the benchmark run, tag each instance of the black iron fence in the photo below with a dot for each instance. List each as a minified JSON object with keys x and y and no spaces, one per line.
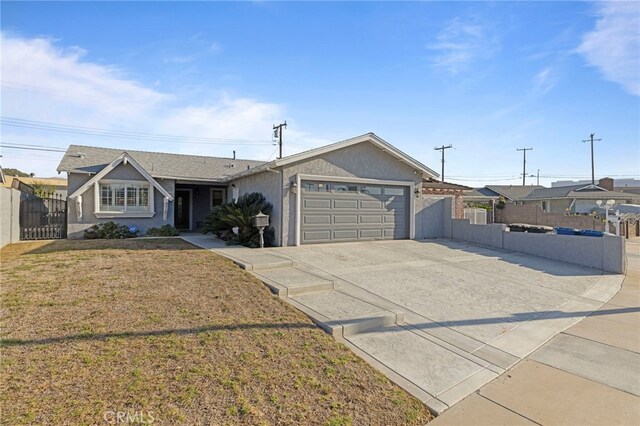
{"x":43,"y":216}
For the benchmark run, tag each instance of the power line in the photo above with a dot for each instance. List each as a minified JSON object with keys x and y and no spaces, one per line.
{"x":125,"y":134}
{"x":3,"y":145}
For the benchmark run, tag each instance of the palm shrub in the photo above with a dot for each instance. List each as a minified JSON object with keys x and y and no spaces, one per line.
{"x":225,"y":217}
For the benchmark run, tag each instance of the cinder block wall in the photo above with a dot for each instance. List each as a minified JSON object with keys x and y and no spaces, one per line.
{"x":605,"y":253}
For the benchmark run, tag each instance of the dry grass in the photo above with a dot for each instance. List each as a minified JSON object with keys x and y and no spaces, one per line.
{"x":177,"y":334}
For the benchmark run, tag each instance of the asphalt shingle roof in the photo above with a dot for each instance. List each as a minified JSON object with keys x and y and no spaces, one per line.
{"x":89,"y":159}
{"x":511,"y":192}
{"x":575,"y":191}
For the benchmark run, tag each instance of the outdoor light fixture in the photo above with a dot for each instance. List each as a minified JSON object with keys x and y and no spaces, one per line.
{"x":294,"y":187}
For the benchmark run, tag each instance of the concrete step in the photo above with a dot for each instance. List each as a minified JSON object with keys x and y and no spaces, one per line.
{"x":415,"y":363}
{"x":373,"y":322}
{"x":288,"y":282}
{"x":343,"y":315}
{"x":256,"y":260}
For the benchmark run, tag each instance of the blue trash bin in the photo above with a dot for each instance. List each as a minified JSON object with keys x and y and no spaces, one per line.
{"x":590,"y":233}
{"x":565,"y":231}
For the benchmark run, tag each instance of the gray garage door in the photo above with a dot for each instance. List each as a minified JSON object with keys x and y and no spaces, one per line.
{"x":334,"y":212}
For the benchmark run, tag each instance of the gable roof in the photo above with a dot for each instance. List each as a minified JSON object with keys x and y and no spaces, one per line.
{"x":126,"y":159}
{"x":573,"y":191}
{"x":367,"y":137}
{"x":510,"y":192}
{"x":477,"y":194}
{"x":90,"y":160}
{"x":445,"y":185}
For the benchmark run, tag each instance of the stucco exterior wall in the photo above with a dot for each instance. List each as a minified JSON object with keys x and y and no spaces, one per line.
{"x":75,"y":227}
{"x":363,"y":160}
{"x":9,"y":216}
{"x":270,"y":185}
{"x":433,"y":216}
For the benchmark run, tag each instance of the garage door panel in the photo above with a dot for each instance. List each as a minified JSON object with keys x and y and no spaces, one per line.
{"x":390,"y":218}
{"x":313,"y":203}
{"x":396,"y":204}
{"x":324,"y":219}
{"x":371,"y":233}
{"x":345,"y":219}
{"x":319,"y":236}
{"x":371,"y":218}
{"x":356,"y":213}
{"x":395,"y":233}
{"x":345,"y":234}
{"x":345,"y":204}
{"x":371,"y":204}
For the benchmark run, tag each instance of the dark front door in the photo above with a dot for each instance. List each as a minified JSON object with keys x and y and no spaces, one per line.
{"x":182,"y":209}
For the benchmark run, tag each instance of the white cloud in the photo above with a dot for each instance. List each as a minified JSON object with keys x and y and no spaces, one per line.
{"x":614,"y":45}
{"x":544,"y":80}
{"x":460,"y":43}
{"x":44,"y":82}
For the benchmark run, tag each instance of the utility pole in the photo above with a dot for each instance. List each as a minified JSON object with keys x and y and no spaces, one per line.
{"x":593,"y":169}
{"x":277,"y":133}
{"x":442,"y":148}
{"x":524,"y":164}
{"x":537,"y":176}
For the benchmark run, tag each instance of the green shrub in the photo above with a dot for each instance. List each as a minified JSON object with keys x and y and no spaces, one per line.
{"x":110,"y":231}
{"x":225,"y":217}
{"x":164,"y":231}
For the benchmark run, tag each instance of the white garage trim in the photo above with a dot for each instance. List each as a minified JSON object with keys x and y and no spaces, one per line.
{"x":300,"y":177}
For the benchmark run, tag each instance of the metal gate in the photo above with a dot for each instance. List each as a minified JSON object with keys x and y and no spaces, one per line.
{"x":43,"y":216}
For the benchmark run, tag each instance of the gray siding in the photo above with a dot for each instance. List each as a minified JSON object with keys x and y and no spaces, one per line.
{"x":363,"y":160}
{"x":76,"y":228}
{"x":270,"y":185}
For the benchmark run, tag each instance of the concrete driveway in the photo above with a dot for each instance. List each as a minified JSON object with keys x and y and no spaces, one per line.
{"x":440,"y":318}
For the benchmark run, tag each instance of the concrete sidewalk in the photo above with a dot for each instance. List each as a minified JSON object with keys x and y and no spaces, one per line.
{"x":439,"y":318}
{"x":588,"y":374}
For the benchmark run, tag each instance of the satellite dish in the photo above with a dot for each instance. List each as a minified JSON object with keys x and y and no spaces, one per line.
{"x":599,"y":203}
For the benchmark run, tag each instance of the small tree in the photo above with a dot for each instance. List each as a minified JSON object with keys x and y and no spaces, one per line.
{"x":42,"y":189}
{"x":238,"y":214}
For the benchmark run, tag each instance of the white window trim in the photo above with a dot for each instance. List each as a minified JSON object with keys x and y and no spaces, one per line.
{"x":410,"y":184}
{"x":224,"y":195}
{"x":124,"y":214}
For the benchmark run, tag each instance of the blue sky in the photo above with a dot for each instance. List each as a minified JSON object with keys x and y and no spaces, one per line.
{"x":486,"y":77}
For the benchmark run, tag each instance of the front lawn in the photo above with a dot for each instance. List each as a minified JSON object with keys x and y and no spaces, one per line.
{"x":158,"y":330}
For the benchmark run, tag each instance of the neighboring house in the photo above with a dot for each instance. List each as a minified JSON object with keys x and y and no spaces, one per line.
{"x":433,"y":188}
{"x":510,"y":193}
{"x":581,"y":199}
{"x":358,"y":189}
{"x":54,"y":185}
